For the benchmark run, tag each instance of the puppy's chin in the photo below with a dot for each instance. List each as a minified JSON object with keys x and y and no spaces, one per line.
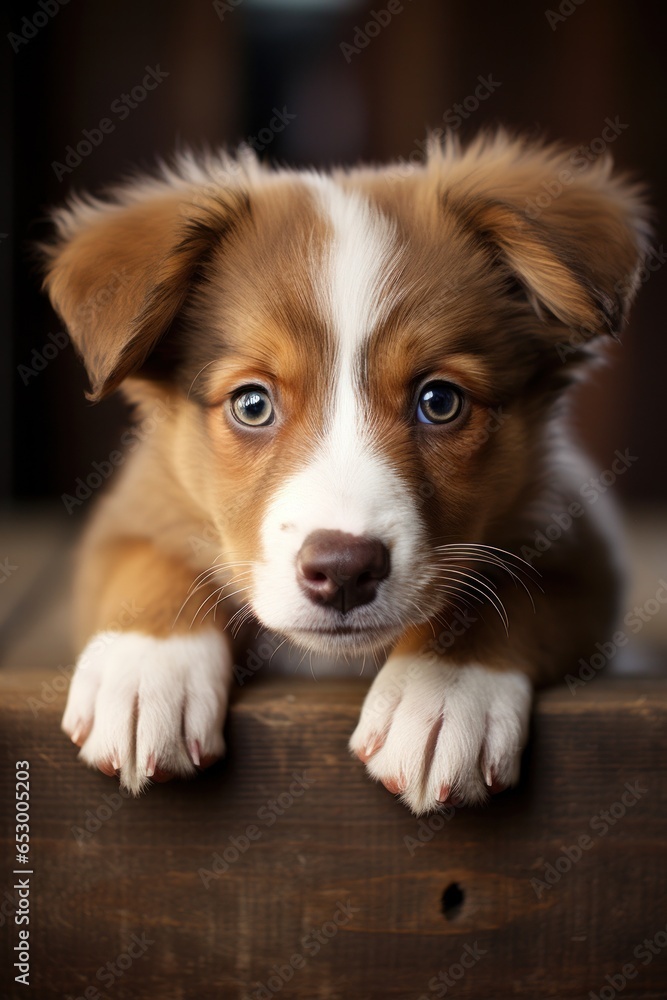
{"x":337,"y":637}
{"x":344,"y":640}
{"x":354,"y":634}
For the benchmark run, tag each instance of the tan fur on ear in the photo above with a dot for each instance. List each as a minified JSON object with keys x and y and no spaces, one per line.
{"x":571,"y":232}
{"x":119,"y":271}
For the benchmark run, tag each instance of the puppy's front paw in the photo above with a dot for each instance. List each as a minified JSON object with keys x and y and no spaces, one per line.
{"x":434,"y":732}
{"x":149,"y":707}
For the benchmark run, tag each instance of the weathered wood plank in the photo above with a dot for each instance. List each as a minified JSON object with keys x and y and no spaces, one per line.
{"x":330,"y":846}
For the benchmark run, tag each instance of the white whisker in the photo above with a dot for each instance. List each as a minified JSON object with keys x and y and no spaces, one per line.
{"x":244,"y":613}
{"x":226,"y":598}
{"x":279,"y":646}
{"x":490,"y":554}
{"x":485,"y":590}
{"x":503,"y":554}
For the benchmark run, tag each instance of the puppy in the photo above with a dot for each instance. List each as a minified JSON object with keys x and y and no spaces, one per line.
{"x":351,"y":388}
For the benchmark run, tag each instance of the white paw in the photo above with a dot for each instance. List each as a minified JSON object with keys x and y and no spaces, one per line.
{"x":148,"y":707}
{"x":435,"y":732}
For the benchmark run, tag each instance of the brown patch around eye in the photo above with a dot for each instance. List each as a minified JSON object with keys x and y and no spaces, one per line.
{"x":260,"y":311}
{"x":470,"y":373}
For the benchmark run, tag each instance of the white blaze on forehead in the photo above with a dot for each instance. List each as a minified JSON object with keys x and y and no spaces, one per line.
{"x":360,"y":261}
{"x":348,"y":484}
{"x":356,"y":291}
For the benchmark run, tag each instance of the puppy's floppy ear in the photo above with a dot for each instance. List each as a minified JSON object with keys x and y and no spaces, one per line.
{"x":119,"y":271}
{"x":571,"y":233}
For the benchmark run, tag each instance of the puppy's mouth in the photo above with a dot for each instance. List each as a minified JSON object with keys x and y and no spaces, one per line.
{"x":342,"y":630}
{"x":343,"y":637}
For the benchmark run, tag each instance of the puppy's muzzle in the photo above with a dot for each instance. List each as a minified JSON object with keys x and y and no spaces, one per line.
{"x":341,"y":570}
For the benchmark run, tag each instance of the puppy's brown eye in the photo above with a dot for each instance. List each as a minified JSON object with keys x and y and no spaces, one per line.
{"x":252,"y":406}
{"x":439,"y":403}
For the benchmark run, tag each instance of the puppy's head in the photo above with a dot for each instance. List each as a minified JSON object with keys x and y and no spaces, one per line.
{"x":364,"y":363}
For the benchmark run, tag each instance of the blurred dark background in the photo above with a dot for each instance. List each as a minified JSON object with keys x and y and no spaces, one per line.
{"x":352,"y":81}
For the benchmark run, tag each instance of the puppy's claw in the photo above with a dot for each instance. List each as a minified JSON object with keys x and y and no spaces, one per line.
{"x":79,"y":733}
{"x":193,"y":749}
{"x":372,"y":746}
{"x":150,"y":766}
{"x":106,"y":767}
{"x":392,"y":785}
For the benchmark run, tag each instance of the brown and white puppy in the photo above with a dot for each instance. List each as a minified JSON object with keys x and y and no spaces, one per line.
{"x":354,"y":390}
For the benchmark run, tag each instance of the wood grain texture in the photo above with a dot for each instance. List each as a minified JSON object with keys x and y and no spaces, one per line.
{"x":342,"y":860}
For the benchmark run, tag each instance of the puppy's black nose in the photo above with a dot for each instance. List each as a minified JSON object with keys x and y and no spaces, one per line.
{"x":341,"y":570}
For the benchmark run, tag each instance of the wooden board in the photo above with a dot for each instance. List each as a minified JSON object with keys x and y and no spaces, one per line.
{"x":330,"y":888}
